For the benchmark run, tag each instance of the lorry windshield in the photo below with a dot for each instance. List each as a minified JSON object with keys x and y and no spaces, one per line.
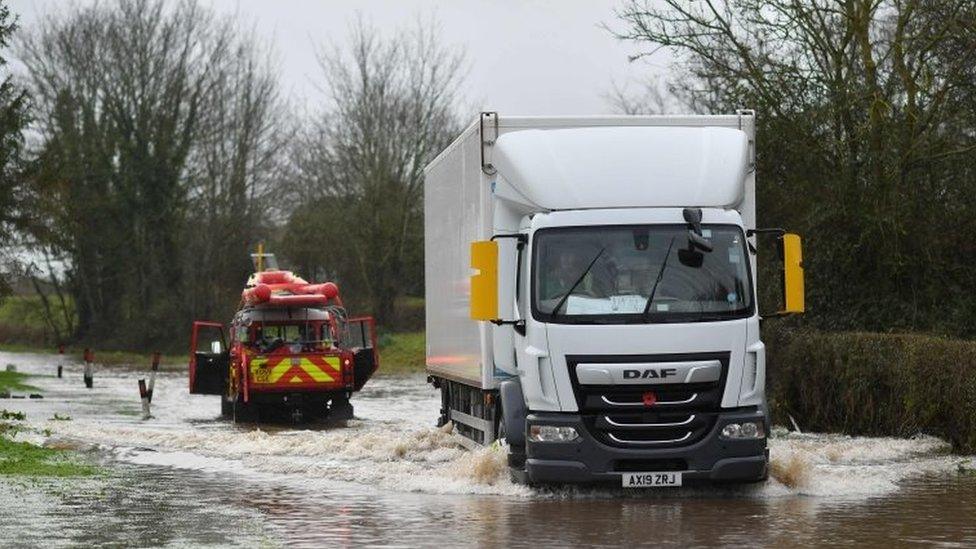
{"x":628,"y":264}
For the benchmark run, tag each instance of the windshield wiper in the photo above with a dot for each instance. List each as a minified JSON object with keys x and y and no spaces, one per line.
{"x":660,"y":275}
{"x":565,"y":297}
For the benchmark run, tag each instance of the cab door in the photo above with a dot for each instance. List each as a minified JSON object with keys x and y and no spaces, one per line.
{"x":209,"y":359}
{"x":361,"y":340}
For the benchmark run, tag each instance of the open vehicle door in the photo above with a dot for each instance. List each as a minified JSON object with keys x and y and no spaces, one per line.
{"x":361,"y":340}
{"x":209,"y":359}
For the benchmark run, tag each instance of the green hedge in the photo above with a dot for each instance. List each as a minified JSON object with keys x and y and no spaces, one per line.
{"x":874,"y":384}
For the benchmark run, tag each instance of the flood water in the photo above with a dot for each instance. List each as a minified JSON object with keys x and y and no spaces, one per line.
{"x":388,"y":478}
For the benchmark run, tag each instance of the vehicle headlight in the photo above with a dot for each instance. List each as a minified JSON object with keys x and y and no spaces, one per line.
{"x":744,"y":431}
{"x":552,"y":433}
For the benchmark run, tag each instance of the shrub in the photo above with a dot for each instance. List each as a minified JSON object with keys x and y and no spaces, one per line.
{"x":874,"y":384}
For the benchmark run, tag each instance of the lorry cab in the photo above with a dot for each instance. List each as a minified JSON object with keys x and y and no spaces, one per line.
{"x":634,"y":340}
{"x":612,"y":290}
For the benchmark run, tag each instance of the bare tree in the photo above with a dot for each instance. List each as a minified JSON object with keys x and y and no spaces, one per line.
{"x":233,"y":200}
{"x":13,"y":120}
{"x":361,"y":163}
{"x":652,"y":97}
{"x":154,"y":121}
{"x":865,"y":139}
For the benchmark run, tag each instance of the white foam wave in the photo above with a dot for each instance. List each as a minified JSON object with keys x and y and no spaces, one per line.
{"x":393,"y":448}
{"x":843,"y":466}
{"x":422,"y":460}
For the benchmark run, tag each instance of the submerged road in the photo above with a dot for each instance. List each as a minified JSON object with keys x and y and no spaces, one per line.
{"x":389,"y":478}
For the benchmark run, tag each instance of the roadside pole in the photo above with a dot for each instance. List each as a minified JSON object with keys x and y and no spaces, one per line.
{"x":60,"y":359}
{"x":89,"y":368}
{"x":152,"y":375}
{"x":144,"y":395}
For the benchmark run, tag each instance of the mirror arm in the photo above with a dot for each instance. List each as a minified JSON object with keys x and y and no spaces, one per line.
{"x":517,"y":325}
{"x":777,"y":314}
{"x":775,"y":231}
{"x":523,"y":239}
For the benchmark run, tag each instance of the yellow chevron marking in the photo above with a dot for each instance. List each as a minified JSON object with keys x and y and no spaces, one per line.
{"x":314,"y":371}
{"x":265,"y":375}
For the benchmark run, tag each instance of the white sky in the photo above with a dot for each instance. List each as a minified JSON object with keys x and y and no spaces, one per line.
{"x":525,"y":57}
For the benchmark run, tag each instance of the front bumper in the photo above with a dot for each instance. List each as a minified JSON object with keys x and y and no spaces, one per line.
{"x":587,"y":460}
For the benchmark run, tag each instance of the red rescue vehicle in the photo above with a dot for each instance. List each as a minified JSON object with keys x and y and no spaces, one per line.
{"x":293,"y":353}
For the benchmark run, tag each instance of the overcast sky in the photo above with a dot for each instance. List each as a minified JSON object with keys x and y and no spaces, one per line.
{"x":525,"y":57}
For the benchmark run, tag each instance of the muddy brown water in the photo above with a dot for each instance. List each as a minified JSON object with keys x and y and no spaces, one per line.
{"x":185,"y":478}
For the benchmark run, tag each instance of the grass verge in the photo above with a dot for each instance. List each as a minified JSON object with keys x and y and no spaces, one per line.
{"x":14,"y":381}
{"x":105,"y":358}
{"x":30,"y":460}
{"x":402,"y":353}
{"x":26,"y":459}
{"x":22,"y":319}
{"x":115,"y":358}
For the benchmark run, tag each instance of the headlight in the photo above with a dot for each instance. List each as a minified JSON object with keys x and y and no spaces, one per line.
{"x":743,"y":431}
{"x":552,"y":433}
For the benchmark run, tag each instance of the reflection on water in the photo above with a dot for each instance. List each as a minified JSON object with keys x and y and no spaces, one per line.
{"x":388,"y":478}
{"x":129,"y":506}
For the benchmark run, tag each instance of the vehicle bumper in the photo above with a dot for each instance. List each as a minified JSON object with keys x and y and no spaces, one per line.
{"x":294,"y":397}
{"x":587,"y":460}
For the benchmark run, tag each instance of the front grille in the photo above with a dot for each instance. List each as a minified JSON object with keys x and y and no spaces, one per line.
{"x":618,"y":416}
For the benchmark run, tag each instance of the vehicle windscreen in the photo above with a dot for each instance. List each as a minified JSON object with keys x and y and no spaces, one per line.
{"x":606,"y":275}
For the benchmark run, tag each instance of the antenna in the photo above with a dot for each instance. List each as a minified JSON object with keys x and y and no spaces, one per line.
{"x":260,"y":258}
{"x":263,"y":261}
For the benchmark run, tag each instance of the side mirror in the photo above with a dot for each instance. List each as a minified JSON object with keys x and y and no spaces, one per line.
{"x":493,"y":288}
{"x":695,"y":240}
{"x":693,"y":216}
{"x":484,"y":284}
{"x":691,"y":258}
{"x":791,"y":252}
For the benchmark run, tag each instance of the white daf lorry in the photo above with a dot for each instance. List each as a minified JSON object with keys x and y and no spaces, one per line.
{"x":591,"y":296}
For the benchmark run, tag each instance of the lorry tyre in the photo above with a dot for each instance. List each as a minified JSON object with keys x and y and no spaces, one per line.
{"x":513,"y":413}
{"x":512,"y":428}
{"x":515,"y":457}
{"x":519,"y":476}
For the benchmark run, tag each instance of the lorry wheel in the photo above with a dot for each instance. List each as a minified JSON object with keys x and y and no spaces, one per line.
{"x":513,"y":413}
{"x":516,"y":454}
{"x":512,"y":428}
{"x":519,"y":476}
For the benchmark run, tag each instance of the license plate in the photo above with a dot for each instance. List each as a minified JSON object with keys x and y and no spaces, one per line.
{"x":651,"y":480}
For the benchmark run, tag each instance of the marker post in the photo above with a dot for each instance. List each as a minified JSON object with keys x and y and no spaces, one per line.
{"x":152,"y":375}
{"x":144,"y":395}
{"x":89,"y":368}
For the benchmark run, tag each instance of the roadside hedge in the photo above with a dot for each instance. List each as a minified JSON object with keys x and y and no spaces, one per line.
{"x":873,"y":384}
